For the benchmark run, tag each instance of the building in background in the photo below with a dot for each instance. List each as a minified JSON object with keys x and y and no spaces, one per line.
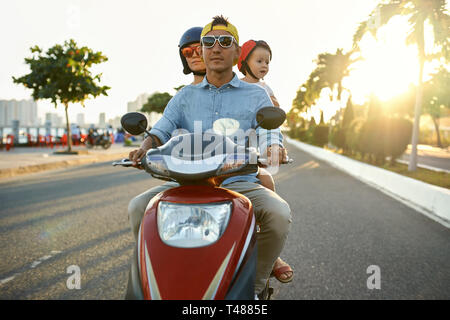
{"x":101,"y":120}
{"x":80,"y":120}
{"x":115,"y":123}
{"x":25,"y":111}
{"x":138,"y":103}
{"x":56,"y":121}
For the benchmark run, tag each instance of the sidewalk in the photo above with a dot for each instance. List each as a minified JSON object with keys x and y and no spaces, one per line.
{"x":23,"y":160}
{"x":429,"y":157}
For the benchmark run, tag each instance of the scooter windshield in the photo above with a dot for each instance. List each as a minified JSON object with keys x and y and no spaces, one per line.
{"x":195,"y":156}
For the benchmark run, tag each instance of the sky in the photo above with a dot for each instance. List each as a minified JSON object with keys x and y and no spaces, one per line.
{"x":140,"y":38}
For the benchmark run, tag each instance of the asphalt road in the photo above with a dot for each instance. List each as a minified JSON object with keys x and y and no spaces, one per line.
{"x":52,"y":221}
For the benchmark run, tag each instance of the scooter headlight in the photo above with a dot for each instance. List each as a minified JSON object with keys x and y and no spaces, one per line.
{"x":192,"y":225}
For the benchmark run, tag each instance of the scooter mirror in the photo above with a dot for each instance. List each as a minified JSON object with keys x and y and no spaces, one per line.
{"x":270,"y":117}
{"x":134,"y":123}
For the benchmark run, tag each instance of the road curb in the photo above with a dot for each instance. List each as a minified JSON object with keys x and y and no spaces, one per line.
{"x":430,"y":200}
{"x":59,"y":164}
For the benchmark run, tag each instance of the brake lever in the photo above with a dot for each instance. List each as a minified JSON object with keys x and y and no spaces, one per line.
{"x":288,"y":161}
{"x":125,"y":163}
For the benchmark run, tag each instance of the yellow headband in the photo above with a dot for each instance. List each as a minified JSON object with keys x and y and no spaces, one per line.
{"x":230,"y":28}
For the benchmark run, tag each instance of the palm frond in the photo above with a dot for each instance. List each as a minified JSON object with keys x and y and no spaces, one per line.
{"x":440,"y":21}
{"x":380,"y":16}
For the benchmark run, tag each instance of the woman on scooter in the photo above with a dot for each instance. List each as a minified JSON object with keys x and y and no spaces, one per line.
{"x":189,"y":49}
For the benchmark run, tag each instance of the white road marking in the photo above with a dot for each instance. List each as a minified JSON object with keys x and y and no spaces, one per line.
{"x":32,"y":266}
{"x":39,"y":261}
{"x":2,"y":282}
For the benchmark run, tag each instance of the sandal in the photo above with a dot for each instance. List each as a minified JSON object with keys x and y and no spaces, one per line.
{"x":277,"y":272}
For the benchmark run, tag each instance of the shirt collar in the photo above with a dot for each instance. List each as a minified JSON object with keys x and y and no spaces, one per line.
{"x":235,"y":82}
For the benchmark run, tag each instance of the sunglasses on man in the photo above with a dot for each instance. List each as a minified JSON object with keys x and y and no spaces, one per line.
{"x":189,"y":51}
{"x":225,"y":41}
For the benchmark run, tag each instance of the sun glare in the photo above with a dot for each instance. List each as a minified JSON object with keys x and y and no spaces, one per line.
{"x":388,"y":67}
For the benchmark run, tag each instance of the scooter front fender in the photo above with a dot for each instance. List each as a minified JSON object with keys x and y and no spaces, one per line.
{"x":197,"y":273}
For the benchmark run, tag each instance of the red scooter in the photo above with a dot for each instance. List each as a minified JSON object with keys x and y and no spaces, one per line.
{"x":198,"y":240}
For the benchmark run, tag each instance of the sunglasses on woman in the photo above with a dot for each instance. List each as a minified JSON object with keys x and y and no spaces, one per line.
{"x":189,"y":51}
{"x":225,"y":41}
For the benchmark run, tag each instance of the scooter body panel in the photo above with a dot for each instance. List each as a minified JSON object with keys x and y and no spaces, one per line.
{"x":197,"y":273}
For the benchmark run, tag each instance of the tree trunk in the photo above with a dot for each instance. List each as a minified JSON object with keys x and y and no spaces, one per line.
{"x":436,"y":126}
{"x":69,"y":131}
{"x":412,"y":166}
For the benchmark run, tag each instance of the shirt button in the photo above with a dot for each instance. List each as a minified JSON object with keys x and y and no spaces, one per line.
{"x":217,"y":113}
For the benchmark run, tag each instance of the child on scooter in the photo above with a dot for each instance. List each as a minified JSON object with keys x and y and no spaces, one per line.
{"x":254,"y":64}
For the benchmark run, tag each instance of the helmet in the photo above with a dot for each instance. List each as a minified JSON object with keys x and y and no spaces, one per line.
{"x":246,"y":51}
{"x":190,"y":36}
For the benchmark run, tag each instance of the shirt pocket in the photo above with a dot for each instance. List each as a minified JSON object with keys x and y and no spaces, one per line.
{"x":238,"y":109}
{"x":244,"y":118}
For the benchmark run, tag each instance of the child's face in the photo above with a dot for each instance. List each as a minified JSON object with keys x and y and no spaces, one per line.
{"x":259,"y":62}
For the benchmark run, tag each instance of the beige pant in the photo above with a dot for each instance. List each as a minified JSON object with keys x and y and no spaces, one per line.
{"x":271,"y":212}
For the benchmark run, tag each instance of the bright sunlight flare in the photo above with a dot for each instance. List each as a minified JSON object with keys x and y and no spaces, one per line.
{"x":388,"y":67}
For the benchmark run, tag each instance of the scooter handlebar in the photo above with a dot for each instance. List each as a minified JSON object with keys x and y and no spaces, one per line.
{"x":129,"y":163}
{"x":263,"y":161}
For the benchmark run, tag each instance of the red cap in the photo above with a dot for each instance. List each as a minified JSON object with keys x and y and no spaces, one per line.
{"x":246,"y":49}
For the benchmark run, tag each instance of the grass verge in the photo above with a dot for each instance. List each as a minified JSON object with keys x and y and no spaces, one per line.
{"x":440,"y":179}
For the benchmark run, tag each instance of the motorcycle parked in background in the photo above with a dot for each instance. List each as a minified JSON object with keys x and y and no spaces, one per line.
{"x":95,"y":139}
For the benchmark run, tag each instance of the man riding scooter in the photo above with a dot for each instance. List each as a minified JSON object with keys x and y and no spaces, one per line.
{"x":222,"y":95}
{"x":189,"y":50}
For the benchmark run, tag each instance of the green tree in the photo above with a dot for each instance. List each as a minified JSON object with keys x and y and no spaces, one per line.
{"x":321,"y":132}
{"x":312,"y":123}
{"x":437,"y":98}
{"x":300,"y":103}
{"x":63,"y":75}
{"x":344,"y":131}
{"x":322,"y":121}
{"x":329,"y":73}
{"x":374,"y":108}
{"x":418,"y":12}
{"x":332,"y":69}
{"x":179,"y":87}
{"x":157,"y":102}
{"x":349,"y":114}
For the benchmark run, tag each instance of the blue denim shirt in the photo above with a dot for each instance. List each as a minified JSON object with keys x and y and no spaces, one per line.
{"x":200,"y":106}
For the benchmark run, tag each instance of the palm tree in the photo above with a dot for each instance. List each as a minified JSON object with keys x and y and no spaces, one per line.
{"x":437,"y":98}
{"x":418,"y":12}
{"x":332,"y":69}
